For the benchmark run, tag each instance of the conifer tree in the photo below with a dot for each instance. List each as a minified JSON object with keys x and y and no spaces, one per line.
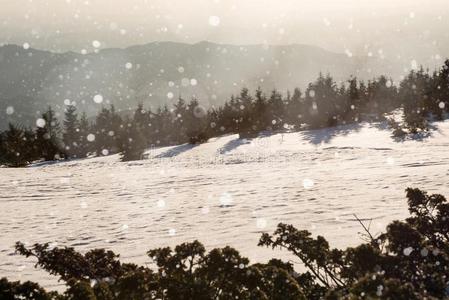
{"x":71,"y":135}
{"x":47,"y":136}
{"x":195,"y":123}
{"x":84,"y":129}
{"x":13,"y":147}
{"x":260,"y":111}
{"x":131,"y":143}
{"x":295,"y":109}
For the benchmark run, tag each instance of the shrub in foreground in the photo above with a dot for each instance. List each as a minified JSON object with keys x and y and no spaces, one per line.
{"x":410,"y":260}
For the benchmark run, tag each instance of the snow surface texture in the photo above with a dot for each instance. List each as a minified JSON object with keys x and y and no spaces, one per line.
{"x":224,"y":192}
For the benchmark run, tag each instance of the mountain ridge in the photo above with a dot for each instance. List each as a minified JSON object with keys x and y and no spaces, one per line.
{"x":157,"y":73}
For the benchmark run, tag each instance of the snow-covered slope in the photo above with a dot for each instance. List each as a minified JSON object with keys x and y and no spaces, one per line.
{"x":224,"y":192}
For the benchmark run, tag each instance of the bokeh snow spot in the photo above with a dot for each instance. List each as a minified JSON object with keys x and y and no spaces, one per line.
{"x":40,"y":123}
{"x":308,"y":183}
{"x":390,"y":161}
{"x":98,"y":99}
{"x":261,"y":223}
{"x":407,"y":251}
{"x":91,"y":137}
{"x":161,"y":203}
{"x":96,"y":44}
{"x":214,"y":21}
{"x":9,"y":110}
{"x":226,"y":199}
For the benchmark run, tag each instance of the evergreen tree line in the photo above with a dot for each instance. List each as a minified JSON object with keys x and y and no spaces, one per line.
{"x":324,"y":103}
{"x":408,"y":261}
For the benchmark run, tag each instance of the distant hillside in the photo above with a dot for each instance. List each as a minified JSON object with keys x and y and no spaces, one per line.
{"x":158,"y":73}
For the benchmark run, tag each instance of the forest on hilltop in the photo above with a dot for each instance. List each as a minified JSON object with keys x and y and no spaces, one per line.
{"x":422,"y":95}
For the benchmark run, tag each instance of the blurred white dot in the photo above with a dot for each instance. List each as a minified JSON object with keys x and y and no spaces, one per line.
{"x":226,"y":199}
{"x":193,"y":81}
{"x":26,"y":46}
{"x":424,"y":252}
{"x":9,"y":110}
{"x":407,"y":251}
{"x":312,"y":93}
{"x":185,"y":82}
{"x":199,"y":112}
{"x":91,"y":137}
{"x":105,"y":152}
{"x":67,"y":102}
{"x":390,"y":161}
{"x":214,"y":21}
{"x":161,"y":203}
{"x":442,"y":105}
{"x":171,"y":231}
{"x":308,"y":183}
{"x":40,"y":123}
{"x":181,"y":69}
{"x":96,"y":44}
{"x":98,"y":99}
{"x":129,"y":65}
{"x":261,"y":223}
{"x":125,"y":226}
{"x":170,"y":95}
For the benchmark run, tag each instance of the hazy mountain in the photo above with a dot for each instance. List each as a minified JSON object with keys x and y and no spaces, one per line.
{"x":159,"y":73}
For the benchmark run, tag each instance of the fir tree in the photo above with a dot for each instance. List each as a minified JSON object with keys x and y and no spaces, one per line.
{"x":47,"y":136}
{"x":71,"y":135}
{"x":84,"y":129}
{"x":131,"y":143}
{"x":13,"y":147}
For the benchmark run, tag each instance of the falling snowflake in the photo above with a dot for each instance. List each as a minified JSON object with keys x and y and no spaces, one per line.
{"x":40,"y":123}
{"x":308,"y":183}
{"x":261,"y":223}
{"x":226,"y":199}
{"x":96,"y":44}
{"x":214,"y":21}
{"x":407,"y":251}
{"x":98,"y":99}
{"x":161,"y":203}
{"x":91,"y":137}
{"x":9,"y":110}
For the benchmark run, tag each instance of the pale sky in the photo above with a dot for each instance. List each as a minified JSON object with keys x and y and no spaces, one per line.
{"x":358,"y":26}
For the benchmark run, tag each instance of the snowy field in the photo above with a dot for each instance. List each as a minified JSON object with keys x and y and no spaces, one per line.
{"x":225,"y":192}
